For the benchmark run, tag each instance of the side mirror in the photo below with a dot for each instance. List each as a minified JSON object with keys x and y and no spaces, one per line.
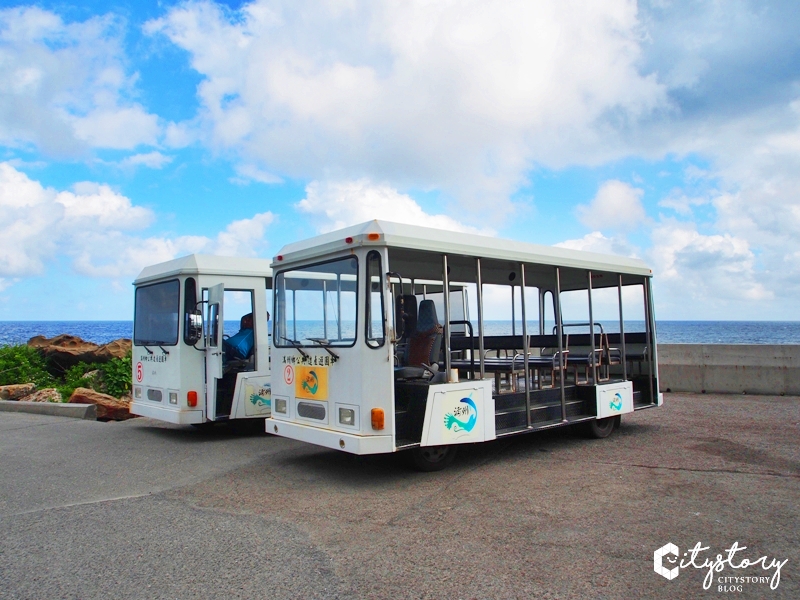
{"x":194,"y":327}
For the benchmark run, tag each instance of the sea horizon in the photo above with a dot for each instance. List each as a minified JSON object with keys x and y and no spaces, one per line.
{"x":669,"y":332}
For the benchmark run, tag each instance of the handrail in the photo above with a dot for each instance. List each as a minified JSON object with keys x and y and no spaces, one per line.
{"x":471,"y":345}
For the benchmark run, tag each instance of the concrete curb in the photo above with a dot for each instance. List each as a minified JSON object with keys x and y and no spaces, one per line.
{"x":56,"y":409}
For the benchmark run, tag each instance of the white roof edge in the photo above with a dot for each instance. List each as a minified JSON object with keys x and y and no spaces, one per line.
{"x":206,"y":264}
{"x":459,"y":243}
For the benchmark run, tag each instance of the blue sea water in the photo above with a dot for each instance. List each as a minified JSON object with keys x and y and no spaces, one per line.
{"x":669,"y":332}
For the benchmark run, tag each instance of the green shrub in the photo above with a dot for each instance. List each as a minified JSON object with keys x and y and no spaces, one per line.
{"x":115,"y":376}
{"x":74,"y":378}
{"x":22,"y":364}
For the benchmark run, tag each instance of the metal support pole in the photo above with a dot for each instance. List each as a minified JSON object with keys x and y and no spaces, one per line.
{"x":325,"y":309}
{"x":649,"y":335}
{"x":294,"y":314}
{"x":622,"y":333}
{"x":560,"y":333}
{"x":591,"y":331}
{"x":654,"y":353}
{"x":541,"y":312}
{"x":525,"y":346}
{"x":339,"y":303}
{"x":446,"y":294}
{"x":513,"y":315}
{"x":479,"y":281}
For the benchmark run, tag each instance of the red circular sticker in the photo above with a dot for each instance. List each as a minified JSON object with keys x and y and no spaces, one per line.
{"x":288,"y":375}
{"x":139,"y":372}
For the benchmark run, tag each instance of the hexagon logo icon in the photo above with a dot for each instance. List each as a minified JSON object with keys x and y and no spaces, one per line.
{"x":658,"y":561}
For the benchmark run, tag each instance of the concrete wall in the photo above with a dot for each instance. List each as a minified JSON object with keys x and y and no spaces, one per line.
{"x":729,"y":368}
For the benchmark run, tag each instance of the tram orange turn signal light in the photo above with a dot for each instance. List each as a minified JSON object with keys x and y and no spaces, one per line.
{"x":191,"y":398}
{"x":377,"y":418}
{"x":373,"y":237}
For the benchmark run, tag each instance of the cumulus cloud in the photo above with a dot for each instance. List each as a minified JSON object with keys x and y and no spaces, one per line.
{"x":66,"y":87}
{"x":597,"y":242}
{"x":617,"y":205}
{"x":151,"y":160}
{"x":463,"y":97}
{"x":99,"y":229}
{"x":338,"y":204}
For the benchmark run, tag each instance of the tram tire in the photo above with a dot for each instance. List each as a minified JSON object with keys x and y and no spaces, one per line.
{"x":433,"y":458}
{"x":602,"y":428}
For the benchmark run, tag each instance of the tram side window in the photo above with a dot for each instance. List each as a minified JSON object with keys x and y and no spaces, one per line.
{"x":375,"y":322}
{"x":317,"y":304}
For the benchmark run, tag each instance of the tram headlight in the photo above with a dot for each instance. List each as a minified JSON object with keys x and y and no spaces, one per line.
{"x":280,"y":405}
{"x":137,"y":392}
{"x":347,"y":416}
{"x":173,"y":397}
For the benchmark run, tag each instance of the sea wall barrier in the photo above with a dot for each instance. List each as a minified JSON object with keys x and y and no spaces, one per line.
{"x":729,"y":368}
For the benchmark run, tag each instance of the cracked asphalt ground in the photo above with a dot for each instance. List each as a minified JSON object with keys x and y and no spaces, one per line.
{"x":140,"y":509}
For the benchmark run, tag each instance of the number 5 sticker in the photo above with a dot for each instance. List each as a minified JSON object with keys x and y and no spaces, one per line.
{"x":139,"y":372}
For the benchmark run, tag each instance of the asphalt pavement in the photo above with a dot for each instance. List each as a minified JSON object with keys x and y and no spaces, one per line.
{"x":141,"y":509}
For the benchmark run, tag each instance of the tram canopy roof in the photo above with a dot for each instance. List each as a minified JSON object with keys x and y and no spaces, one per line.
{"x":409,"y":244}
{"x":206,"y":264}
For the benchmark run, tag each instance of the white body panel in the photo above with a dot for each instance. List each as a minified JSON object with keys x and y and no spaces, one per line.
{"x":614,"y":399}
{"x":459,"y":413}
{"x":182,"y":368}
{"x":336,"y":440}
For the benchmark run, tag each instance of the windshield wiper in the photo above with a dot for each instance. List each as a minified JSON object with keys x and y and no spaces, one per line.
{"x":296,"y":345}
{"x":323,"y":343}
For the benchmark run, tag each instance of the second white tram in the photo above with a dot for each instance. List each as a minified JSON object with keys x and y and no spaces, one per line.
{"x":374,"y":348}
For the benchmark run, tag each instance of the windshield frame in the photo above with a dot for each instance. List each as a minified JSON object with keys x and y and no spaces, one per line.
{"x":281,"y":323}
{"x":173,"y":341}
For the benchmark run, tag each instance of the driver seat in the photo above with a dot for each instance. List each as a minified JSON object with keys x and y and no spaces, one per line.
{"x":424,"y":344}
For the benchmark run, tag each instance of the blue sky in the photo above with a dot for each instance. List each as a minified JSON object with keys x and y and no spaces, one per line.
{"x":135,"y":132}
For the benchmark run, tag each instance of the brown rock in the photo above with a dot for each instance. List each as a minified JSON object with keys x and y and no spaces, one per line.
{"x":64,"y":351}
{"x":45,"y":395}
{"x":16,"y":391}
{"x":108,"y":407}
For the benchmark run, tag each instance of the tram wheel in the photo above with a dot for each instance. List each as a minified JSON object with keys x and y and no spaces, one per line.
{"x":602,"y":428}
{"x":433,"y":458}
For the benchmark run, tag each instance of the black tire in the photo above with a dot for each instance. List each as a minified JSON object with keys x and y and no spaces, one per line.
{"x":602,"y":428}
{"x":433,"y":458}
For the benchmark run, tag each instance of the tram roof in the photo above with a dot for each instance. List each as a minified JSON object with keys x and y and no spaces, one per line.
{"x":206,"y":264}
{"x":439,"y":241}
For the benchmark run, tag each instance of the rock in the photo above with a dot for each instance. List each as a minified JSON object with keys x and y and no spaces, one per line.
{"x":45,"y":395}
{"x":108,"y":407}
{"x":64,"y":351}
{"x":16,"y":391}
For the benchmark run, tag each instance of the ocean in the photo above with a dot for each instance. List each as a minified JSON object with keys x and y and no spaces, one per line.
{"x":669,"y":332}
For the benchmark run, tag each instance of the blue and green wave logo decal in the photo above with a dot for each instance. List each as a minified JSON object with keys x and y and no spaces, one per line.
{"x":458,"y":420}
{"x":616,"y":403}
{"x":311,"y":383}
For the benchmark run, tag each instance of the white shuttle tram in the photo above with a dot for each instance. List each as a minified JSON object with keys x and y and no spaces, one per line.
{"x":201,"y":340}
{"x":372,"y":357}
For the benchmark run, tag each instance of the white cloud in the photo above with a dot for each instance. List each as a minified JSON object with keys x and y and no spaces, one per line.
{"x":67,"y":85}
{"x":617,"y":206}
{"x":151,"y":160}
{"x":462,"y":97}
{"x":97,"y":228}
{"x":703,"y":274}
{"x":250,"y":173}
{"x":244,"y":237}
{"x":597,"y":242}
{"x":339,"y":204}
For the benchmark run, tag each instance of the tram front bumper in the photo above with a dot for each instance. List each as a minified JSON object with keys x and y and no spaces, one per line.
{"x":170,"y":415}
{"x":336,"y":440}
